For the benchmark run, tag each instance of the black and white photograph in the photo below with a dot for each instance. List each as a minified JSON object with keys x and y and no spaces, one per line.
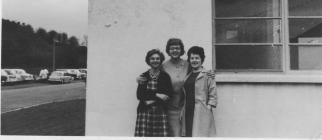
{"x":162,"y":68}
{"x":238,"y":68}
{"x":43,"y":67}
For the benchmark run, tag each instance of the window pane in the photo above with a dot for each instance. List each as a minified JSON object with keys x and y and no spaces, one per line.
{"x":248,"y":31}
{"x":305,"y":7}
{"x":247,"y":8}
{"x":248,"y":57}
{"x":306,"y":57}
{"x":305,"y":28}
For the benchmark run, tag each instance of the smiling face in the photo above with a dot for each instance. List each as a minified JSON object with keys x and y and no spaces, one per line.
{"x":155,"y":61}
{"x":175,"y":51}
{"x":195,"y":61}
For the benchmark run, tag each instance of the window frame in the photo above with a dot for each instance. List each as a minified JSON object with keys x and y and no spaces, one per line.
{"x":285,"y":43}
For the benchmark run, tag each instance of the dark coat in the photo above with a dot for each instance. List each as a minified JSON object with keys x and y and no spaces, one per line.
{"x":164,"y":87}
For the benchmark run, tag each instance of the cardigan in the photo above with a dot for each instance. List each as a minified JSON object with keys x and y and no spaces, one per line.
{"x":164,"y":87}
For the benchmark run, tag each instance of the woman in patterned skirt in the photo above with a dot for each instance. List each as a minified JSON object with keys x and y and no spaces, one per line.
{"x":152,"y":119}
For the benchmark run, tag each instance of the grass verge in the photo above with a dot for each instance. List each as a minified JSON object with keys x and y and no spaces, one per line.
{"x":55,"y":119}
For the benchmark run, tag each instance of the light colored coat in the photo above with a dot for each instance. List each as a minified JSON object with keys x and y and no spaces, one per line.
{"x":205,"y":101}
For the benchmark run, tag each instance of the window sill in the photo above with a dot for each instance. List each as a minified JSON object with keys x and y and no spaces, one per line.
{"x":268,"y":78}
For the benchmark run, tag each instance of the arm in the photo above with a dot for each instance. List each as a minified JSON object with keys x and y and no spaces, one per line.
{"x":166,"y":87}
{"x":142,"y":93}
{"x":212,"y":92}
{"x":141,"y":80}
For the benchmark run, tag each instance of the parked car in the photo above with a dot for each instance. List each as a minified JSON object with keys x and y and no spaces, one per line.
{"x":83,"y":73}
{"x":24,"y":75}
{"x":3,"y":77}
{"x":60,"y":76}
{"x":7,"y":76}
{"x":75,"y":73}
{"x":83,"y":70}
{"x":13,"y":73}
{"x":20,"y":75}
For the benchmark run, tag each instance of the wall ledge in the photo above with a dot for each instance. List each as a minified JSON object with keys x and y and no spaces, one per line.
{"x":268,"y":78}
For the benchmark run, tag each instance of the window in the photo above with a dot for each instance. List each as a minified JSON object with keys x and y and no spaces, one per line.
{"x":305,"y":34}
{"x":263,"y":35}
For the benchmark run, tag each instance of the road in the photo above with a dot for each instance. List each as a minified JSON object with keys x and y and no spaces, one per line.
{"x":14,"y":99}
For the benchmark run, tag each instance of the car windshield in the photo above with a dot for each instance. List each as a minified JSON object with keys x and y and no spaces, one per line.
{"x":9,"y":72}
{"x":20,"y":71}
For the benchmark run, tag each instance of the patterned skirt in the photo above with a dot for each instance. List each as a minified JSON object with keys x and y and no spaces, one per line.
{"x":152,"y":122}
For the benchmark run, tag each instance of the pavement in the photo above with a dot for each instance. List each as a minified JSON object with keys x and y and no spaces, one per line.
{"x":15,"y":99}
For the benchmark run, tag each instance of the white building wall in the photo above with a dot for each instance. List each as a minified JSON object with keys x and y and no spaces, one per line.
{"x":269,"y":110}
{"x":120,"y":34}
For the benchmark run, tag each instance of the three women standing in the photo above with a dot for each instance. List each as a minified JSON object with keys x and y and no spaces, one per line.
{"x":178,"y":104}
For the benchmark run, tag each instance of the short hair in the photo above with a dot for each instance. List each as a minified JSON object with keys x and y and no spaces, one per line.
{"x":196,"y":50}
{"x":175,"y":41}
{"x":151,"y":52}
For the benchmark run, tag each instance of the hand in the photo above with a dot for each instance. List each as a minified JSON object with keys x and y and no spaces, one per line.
{"x":209,"y":106}
{"x":211,"y":74}
{"x":162,"y":96}
{"x":148,"y":102}
{"x":141,"y":80}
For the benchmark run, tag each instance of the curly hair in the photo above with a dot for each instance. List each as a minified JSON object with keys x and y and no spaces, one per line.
{"x":196,"y":50}
{"x":175,"y":41}
{"x":151,"y":52}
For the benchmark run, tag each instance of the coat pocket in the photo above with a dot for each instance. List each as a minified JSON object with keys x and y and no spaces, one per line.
{"x":203,"y":123}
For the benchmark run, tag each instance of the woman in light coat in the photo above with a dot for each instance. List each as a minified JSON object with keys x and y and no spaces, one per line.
{"x":197,"y":116}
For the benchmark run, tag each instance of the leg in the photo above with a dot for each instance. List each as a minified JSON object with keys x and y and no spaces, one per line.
{"x":174,"y":122}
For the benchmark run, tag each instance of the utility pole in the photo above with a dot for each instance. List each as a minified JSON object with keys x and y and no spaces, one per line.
{"x":59,"y":41}
{"x":54,"y":54}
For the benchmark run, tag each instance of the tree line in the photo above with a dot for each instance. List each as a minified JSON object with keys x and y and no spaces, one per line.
{"x":24,"y":47}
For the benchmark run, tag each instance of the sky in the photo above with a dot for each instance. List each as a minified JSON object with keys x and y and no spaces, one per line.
{"x":69,"y":16}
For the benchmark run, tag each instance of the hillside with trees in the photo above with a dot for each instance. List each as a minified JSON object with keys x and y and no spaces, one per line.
{"x":26,"y":47}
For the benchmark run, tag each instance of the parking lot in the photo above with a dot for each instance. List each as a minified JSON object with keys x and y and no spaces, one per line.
{"x":13,"y":76}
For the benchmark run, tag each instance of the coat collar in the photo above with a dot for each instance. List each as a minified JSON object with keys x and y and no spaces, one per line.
{"x":200,"y":75}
